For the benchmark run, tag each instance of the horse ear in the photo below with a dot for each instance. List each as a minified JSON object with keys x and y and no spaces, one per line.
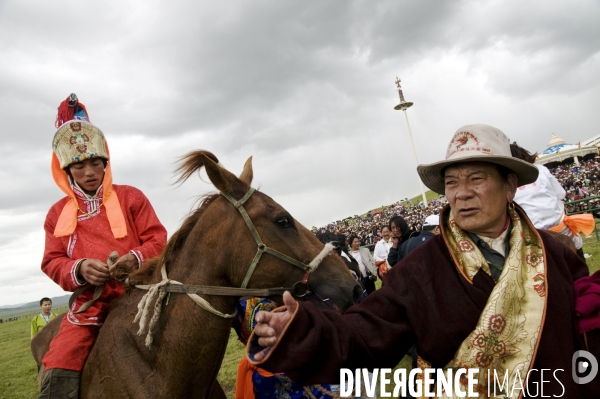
{"x":247,"y":173}
{"x":219,"y":176}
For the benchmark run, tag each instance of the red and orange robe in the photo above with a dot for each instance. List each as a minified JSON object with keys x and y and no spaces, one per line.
{"x":93,"y":239}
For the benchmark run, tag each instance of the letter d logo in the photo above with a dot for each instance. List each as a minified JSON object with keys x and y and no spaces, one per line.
{"x":590,"y":364}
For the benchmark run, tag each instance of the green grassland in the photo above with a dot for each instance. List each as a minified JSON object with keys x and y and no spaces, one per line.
{"x":18,"y":370}
{"x":415,"y":200}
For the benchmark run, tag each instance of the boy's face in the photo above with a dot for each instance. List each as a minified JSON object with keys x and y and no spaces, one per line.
{"x":46,"y":306}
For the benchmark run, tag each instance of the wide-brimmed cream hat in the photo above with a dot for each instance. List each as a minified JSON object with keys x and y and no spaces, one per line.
{"x":477,"y":143}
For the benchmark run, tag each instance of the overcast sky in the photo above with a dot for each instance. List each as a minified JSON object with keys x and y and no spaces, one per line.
{"x":305,"y":87}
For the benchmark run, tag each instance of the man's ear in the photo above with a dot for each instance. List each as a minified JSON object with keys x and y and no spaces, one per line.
{"x":512,"y":182}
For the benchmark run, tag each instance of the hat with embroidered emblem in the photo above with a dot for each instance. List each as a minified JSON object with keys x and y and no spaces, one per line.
{"x":477,"y":143}
{"x":78,"y":140}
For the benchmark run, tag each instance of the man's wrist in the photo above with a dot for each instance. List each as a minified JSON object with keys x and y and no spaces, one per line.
{"x":78,"y":275}
{"x":137,"y":258}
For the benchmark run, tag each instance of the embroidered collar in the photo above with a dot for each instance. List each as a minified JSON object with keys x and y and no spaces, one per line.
{"x":92,"y":202}
{"x":82,"y":195}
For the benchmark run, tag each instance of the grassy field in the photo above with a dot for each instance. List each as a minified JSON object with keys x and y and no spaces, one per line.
{"x":18,"y":370}
{"x":415,"y":200}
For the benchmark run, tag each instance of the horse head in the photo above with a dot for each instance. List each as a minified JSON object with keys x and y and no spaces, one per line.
{"x":246,"y":239}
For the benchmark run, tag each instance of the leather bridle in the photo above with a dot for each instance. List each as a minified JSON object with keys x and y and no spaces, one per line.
{"x":299,"y":289}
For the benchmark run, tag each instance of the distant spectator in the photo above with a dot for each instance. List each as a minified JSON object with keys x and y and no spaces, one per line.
{"x":542,"y":201}
{"x":431,"y":228}
{"x":39,"y":321}
{"x":365,"y":263}
{"x":382,"y":250}
{"x":400,"y":233}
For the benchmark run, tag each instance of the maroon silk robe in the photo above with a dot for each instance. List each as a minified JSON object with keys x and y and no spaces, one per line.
{"x":425,"y":300}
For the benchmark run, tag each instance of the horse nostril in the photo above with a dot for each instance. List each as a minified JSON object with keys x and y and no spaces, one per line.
{"x":357,"y":293}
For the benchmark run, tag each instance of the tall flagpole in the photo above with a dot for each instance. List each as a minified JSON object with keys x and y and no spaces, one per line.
{"x":403,"y":106}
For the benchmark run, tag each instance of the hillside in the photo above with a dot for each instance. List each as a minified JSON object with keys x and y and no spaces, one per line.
{"x":32,"y":307}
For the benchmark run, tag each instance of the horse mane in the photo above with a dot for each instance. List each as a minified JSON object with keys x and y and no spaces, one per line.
{"x":190,"y":163}
{"x":174,"y":245}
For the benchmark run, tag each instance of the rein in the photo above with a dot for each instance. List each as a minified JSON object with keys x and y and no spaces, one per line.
{"x":299,"y":289}
{"x":112,"y":258}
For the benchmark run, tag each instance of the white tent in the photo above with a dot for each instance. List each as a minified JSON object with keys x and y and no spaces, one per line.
{"x":559,"y":151}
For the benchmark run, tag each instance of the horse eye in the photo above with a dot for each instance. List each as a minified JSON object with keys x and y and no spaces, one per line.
{"x":284,"y":222}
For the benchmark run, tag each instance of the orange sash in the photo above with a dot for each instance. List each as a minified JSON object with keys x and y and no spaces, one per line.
{"x":577,"y":223}
{"x":244,"y":388}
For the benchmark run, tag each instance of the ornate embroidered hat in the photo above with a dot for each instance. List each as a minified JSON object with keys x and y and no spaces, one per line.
{"x":477,"y":143}
{"x":76,"y":141}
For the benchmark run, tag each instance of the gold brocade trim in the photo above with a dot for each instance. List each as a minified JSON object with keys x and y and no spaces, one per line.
{"x":469,"y":257}
{"x":507,"y":334}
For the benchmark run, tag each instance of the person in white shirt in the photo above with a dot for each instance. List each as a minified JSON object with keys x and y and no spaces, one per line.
{"x":382,"y":249}
{"x":542,"y":201}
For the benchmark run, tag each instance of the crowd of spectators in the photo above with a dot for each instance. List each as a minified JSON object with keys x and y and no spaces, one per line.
{"x":368,"y":227}
{"x":579,"y":181}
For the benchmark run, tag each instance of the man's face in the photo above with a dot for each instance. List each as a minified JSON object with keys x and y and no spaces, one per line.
{"x":355,"y":244}
{"x":46,"y":307}
{"x":478,"y":197}
{"x":88,"y":174}
{"x":385,"y":232}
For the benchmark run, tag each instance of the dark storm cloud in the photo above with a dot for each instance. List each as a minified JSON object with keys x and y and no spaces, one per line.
{"x":210,"y":66}
{"x":557,"y":46}
{"x":305,"y":87}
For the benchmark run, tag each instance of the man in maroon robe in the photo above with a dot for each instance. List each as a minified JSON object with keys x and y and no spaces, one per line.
{"x":490,"y":292}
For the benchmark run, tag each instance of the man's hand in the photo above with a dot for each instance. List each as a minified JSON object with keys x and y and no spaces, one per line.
{"x":395,"y":242}
{"x":123,"y":267}
{"x":94,"y":271}
{"x":270,"y":325}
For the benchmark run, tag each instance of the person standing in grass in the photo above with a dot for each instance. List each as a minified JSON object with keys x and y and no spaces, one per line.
{"x":39,"y":321}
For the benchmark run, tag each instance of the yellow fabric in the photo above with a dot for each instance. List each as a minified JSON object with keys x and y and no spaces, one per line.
{"x":38,"y":322}
{"x":577,"y":223}
{"x":67,"y":221}
{"x":508,"y":331}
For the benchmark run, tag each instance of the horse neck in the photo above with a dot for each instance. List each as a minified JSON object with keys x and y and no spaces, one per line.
{"x":199,"y":337}
{"x":200,"y":340}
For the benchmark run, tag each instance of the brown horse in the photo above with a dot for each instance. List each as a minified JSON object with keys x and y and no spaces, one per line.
{"x":213,"y":247}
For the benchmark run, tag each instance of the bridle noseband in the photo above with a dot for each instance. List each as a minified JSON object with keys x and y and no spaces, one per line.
{"x":262,"y":248}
